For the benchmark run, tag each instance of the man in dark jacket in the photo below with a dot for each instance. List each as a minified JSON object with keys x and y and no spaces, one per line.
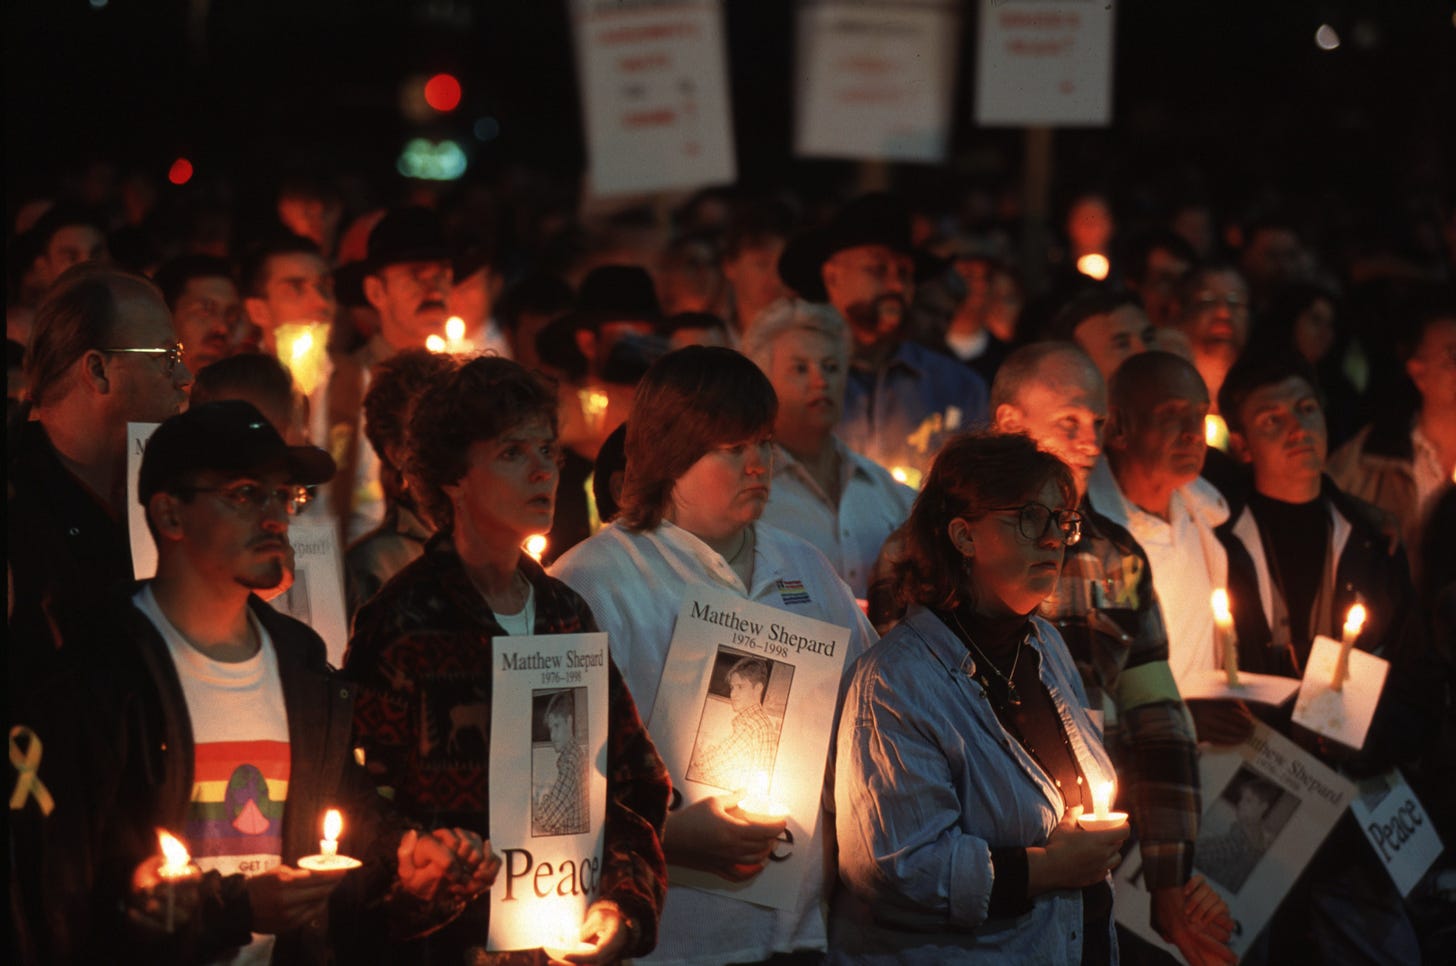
{"x":1300,"y":553}
{"x":217,"y":719}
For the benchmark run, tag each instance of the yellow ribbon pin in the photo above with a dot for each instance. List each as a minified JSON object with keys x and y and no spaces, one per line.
{"x":27,"y":763}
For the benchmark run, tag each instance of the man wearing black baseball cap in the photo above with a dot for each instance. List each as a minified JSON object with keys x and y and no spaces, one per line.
{"x":255,"y":731}
{"x":409,"y":275}
{"x":903,"y":400}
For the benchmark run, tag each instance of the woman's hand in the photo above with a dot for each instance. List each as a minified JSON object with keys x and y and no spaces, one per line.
{"x":1073,"y":858}
{"x":1195,"y":919}
{"x":606,"y":929}
{"x":707,"y":836}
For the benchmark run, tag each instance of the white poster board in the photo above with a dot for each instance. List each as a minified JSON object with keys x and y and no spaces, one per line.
{"x":1343,"y":715}
{"x":875,"y":79}
{"x":548,"y":785}
{"x":143,"y":547}
{"x":1267,"y":807}
{"x":1041,"y":62}
{"x":317,"y":594}
{"x":654,"y":94}
{"x":750,"y":690}
{"x":1397,"y":827}
{"x":1210,"y":684}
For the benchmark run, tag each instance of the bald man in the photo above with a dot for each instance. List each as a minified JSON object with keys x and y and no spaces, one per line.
{"x":1107,"y":610}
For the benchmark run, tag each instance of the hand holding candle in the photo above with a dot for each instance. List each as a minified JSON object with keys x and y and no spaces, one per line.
{"x":1102,"y":817}
{"x":756,"y":806}
{"x":1223,"y":623}
{"x":176,"y":866}
{"x":1354,"y":622}
{"x":329,"y":859}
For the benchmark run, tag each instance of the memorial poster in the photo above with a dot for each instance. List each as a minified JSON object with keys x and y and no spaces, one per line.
{"x":1397,"y":827}
{"x":548,"y":785}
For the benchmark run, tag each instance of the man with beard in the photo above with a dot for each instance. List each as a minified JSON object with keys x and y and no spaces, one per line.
{"x":1150,"y":486}
{"x":903,"y":400}
{"x":205,"y":304}
{"x":408,"y":279}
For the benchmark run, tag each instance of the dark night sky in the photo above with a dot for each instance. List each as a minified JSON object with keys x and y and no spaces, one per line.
{"x":1237,"y":88}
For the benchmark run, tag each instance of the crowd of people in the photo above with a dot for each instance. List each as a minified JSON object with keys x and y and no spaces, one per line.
{"x":1014,"y":499}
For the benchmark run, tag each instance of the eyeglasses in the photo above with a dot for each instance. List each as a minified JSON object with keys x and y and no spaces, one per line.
{"x":247,"y":498}
{"x":172,"y":352}
{"x":1034,"y":518}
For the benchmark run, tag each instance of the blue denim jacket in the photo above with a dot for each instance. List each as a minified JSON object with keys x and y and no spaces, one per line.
{"x":927,"y":782}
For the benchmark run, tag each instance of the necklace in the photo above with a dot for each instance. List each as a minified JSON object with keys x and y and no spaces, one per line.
{"x":1013,"y":697}
{"x":742,"y":542}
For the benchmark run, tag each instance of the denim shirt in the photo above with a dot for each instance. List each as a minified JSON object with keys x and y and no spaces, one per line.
{"x":927,"y":783}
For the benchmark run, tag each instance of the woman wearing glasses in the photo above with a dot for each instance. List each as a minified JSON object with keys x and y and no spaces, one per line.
{"x":483,"y":460}
{"x":964,"y":750}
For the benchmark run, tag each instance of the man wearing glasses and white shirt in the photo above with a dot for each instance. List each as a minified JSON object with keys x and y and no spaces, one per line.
{"x":103,"y":353}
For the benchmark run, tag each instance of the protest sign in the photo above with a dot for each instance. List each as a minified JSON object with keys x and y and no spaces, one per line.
{"x":1399,"y":830}
{"x":317,"y":594}
{"x":875,"y":79}
{"x":745,"y":705}
{"x":548,"y":786}
{"x":1268,"y":805}
{"x":1043,"y":62}
{"x":654,"y":94}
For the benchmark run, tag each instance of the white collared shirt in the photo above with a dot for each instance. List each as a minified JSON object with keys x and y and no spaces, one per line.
{"x":871,"y":504}
{"x":635,"y":584}
{"x":1187,"y":560}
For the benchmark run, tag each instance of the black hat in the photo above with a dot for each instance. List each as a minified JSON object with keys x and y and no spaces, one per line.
{"x":229,"y":436}
{"x":407,"y":235}
{"x":876,"y":219}
{"x":613,"y":292}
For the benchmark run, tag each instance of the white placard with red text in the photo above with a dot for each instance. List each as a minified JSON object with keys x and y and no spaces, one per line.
{"x":875,"y":79}
{"x":548,"y":785}
{"x":1043,"y":62}
{"x":654,"y":94}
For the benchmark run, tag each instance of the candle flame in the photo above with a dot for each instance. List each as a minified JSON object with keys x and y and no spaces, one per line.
{"x":333,"y":824}
{"x":1220,"y":602}
{"x":454,"y":328}
{"x":434,"y":343}
{"x":174,"y":855}
{"x":596,"y":402}
{"x":900,"y":475}
{"x":1102,"y":799}
{"x":536,"y":546}
{"x":758,"y":785}
{"x":1215,"y":431}
{"x":1355,"y":620}
{"x":1094,"y":265}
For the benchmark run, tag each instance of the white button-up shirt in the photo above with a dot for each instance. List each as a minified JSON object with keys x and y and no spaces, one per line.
{"x":635,"y":584}
{"x":850,"y":533}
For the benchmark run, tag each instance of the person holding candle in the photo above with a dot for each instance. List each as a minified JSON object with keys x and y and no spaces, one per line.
{"x":483,"y":461}
{"x":698,"y":476}
{"x":228,"y":728}
{"x":1301,"y":554}
{"x":964,"y":752}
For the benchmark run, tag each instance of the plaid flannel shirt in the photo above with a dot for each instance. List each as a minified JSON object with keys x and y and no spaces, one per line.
{"x":563,"y":809}
{"x":747,"y":751}
{"x":1106,"y":609}
{"x":422,"y":655}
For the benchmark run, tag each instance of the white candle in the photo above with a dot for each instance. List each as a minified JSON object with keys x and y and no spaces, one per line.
{"x":1223,"y":622}
{"x":1102,"y":817}
{"x":535,"y":546}
{"x":176,"y":864}
{"x":756,"y":806}
{"x":1354,"y":622}
{"x":557,"y":923}
{"x":329,"y":859}
{"x":434,"y":343}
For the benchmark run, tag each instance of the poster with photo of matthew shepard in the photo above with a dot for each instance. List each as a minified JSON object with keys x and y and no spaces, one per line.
{"x":747,"y":699}
{"x":1267,"y":807}
{"x":548,"y":785}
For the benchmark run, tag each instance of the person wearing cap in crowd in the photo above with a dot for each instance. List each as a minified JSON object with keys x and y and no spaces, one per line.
{"x":903,"y":400}
{"x":408,"y":274}
{"x":235,"y":735}
{"x":749,"y":261}
{"x":205,"y":304}
{"x":472,"y":299}
{"x":104,"y":354}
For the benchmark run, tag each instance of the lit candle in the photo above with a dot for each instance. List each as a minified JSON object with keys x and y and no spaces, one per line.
{"x":756,"y":806}
{"x":1354,"y":621}
{"x":1223,"y":623}
{"x":1094,"y":265}
{"x":1215,"y":431}
{"x":594,"y":403}
{"x":558,"y":925}
{"x":434,"y":343}
{"x":908,"y":475}
{"x":301,"y":347}
{"x":1102,"y":817}
{"x":455,"y":335}
{"x":176,"y":864}
{"x":535,"y":546}
{"x":329,"y":859}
